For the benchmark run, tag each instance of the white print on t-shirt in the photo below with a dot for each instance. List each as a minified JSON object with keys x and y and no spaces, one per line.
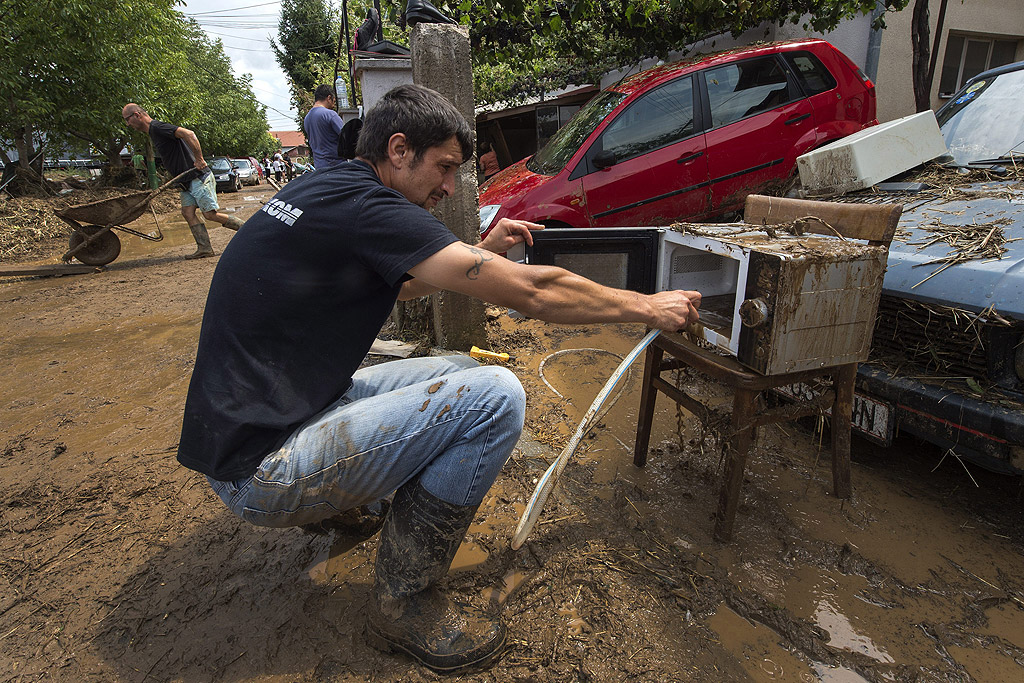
{"x":282,"y":212}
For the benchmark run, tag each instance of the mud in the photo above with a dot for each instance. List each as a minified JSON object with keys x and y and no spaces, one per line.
{"x":117,"y":564}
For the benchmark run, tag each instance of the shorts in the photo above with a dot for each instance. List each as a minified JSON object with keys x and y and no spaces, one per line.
{"x":202,"y":192}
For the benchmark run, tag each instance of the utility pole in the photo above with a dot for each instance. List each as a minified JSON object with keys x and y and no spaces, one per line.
{"x":441,"y":61}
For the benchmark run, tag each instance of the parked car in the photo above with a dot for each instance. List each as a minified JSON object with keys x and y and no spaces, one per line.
{"x":947,"y":361}
{"x":226,"y":174}
{"x":247,"y":173}
{"x":688,"y":140}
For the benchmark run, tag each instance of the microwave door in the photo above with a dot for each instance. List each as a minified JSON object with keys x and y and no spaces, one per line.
{"x":624,"y":258}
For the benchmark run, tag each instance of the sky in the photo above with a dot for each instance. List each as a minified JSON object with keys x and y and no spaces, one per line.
{"x":245,"y":28}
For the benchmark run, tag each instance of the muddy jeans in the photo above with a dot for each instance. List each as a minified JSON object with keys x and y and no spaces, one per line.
{"x":447,"y":420}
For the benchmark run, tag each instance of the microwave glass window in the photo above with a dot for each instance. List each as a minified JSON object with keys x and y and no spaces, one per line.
{"x":610,"y":270}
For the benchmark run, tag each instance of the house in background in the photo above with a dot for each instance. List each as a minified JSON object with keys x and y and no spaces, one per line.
{"x":518,"y":132}
{"x":975,"y":36}
{"x":293,"y":143}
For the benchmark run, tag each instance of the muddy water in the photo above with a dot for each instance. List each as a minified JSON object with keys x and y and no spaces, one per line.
{"x":918,"y":564}
{"x":911,"y":567}
{"x":174,"y":229}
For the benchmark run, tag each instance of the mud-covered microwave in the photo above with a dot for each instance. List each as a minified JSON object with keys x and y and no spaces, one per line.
{"x":778,"y":302}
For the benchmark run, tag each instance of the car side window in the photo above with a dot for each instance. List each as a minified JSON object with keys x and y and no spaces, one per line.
{"x":659,"y":118}
{"x":743,"y":89}
{"x":814,"y":77}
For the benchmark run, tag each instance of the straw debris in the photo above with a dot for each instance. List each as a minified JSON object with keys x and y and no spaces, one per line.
{"x":967,"y":243}
{"x":29,"y":228}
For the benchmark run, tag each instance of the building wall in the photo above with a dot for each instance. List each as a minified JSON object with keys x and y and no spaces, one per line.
{"x":988,"y":18}
{"x":1000,"y":19}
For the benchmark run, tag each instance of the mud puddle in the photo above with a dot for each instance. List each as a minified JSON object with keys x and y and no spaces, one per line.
{"x":118,"y":564}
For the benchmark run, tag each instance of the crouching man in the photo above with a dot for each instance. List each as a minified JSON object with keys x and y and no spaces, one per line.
{"x":290,"y":433}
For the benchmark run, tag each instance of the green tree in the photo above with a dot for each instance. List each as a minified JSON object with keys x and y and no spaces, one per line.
{"x":306,"y":48}
{"x":524,"y":47}
{"x":67,"y":68}
{"x":228,"y":120}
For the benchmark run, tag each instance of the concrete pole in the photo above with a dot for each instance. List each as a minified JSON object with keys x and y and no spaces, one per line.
{"x":441,"y":61}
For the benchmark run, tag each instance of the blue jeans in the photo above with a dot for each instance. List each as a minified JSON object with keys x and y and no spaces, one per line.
{"x":449,"y":421}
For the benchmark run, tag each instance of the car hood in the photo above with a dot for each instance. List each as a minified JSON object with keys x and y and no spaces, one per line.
{"x":512,"y":182}
{"x":974,"y":284}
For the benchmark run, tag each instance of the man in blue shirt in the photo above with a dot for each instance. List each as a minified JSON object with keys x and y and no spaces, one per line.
{"x":323,"y":128}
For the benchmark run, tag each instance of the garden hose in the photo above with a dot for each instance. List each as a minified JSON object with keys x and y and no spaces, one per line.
{"x":550,"y":478}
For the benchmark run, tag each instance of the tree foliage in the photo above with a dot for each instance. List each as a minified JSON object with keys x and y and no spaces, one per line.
{"x":54,"y":89}
{"x":306,"y":48}
{"x":68,"y":66}
{"x":524,"y":47}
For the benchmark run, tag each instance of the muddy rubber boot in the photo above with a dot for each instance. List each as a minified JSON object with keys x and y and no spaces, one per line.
{"x":360,"y":522}
{"x":233,"y":223}
{"x":204,"y":248}
{"x":407,"y":614}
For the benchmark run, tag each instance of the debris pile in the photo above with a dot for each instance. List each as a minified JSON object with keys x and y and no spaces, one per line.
{"x":967,"y":242}
{"x":28,"y":226}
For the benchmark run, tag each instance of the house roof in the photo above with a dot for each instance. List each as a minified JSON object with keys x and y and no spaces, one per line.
{"x":290,"y":138}
{"x":497,"y":110}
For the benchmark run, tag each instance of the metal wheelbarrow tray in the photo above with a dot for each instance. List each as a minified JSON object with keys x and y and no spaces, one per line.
{"x":92,"y":240}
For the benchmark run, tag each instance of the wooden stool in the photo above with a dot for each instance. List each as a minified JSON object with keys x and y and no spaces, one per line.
{"x":876,"y":224}
{"x":746,"y":385}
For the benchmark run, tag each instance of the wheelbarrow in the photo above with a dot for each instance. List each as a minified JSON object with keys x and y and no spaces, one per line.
{"x":92,"y":240}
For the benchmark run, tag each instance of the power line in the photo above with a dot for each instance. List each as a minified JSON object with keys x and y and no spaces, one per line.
{"x":234,"y":9}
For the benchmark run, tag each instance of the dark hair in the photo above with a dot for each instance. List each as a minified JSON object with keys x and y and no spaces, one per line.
{"x":423,"y":115}
{"x":322,"y":92}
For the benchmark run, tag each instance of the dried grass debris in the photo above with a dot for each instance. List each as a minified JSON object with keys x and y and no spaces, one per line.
{"x":967,"y":243}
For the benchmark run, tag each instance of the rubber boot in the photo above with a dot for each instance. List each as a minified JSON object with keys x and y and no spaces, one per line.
{"x":407,"y":614}
{"x":204,"y":248}
{"x":233,"y":223}
{"x":359,"y":523}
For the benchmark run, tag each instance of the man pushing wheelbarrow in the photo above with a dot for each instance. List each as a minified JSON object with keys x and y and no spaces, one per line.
{"x":180,"y":151}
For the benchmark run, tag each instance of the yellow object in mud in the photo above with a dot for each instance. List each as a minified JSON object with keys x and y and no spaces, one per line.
{"x":476,"y":352}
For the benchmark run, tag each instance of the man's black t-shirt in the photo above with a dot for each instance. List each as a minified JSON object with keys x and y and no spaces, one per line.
{"x":175,"y":154}
{"x":296,"y":301}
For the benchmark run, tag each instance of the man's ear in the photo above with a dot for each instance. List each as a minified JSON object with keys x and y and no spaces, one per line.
{"x":397,"y":149}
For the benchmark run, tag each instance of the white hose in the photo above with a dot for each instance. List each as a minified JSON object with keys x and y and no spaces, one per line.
{"x":550,"y":478}
{"x":548,"y":357}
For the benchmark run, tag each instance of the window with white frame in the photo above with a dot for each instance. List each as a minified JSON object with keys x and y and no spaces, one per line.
{"x":969,"y":55}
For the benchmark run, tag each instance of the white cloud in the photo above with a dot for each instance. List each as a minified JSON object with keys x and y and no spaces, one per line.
{"x":245,"y":28}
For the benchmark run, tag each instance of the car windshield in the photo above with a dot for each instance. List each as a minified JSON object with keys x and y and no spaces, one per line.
{"x":553,"y":157}
{"x":985,"y":120}
{"x":242,"y":164}
{"x":220,"y":165}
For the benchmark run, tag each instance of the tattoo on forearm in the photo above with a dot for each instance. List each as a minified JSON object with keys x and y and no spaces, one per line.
{"x":482,"y":256}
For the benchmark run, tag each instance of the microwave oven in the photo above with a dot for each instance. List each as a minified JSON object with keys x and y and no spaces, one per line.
{"x":777,"y":302}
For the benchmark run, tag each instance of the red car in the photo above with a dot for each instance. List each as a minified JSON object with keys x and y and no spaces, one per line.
{"x":688,"y":140}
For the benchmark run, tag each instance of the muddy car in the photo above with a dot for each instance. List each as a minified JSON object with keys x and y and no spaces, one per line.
{"x":947,"y":361}
{"x":688,"y":140}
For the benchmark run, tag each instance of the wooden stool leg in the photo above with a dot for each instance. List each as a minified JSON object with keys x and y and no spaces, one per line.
{"x":739,"y":443}
{"x":842,"y":409}
{"x":648,"y":396}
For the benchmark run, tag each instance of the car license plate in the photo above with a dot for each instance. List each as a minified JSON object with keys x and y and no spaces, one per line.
{"x":871,"y":417}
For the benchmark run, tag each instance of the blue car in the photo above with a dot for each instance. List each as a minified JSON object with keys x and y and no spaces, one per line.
{"x":947,"y":361}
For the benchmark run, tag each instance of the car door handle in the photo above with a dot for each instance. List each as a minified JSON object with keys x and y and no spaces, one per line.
{"x":797,"y":118}
{"x":695,"y":155}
